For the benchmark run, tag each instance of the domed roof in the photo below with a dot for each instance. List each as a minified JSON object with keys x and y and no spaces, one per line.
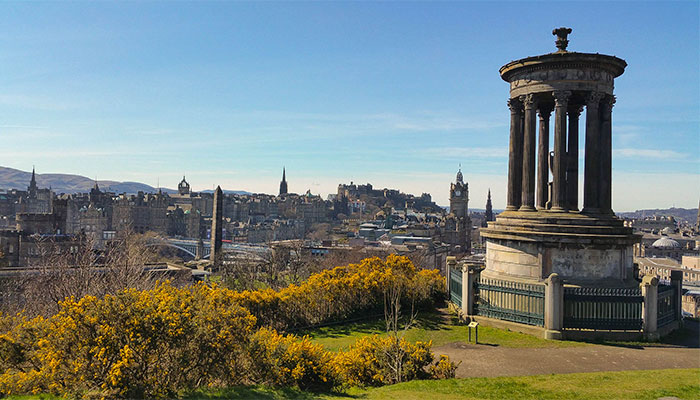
{"x":666,"y":243}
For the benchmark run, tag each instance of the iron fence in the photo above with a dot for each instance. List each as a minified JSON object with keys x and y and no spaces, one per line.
{"x":456,"y":286}
{"x":603,"y":308}
{"x":510,"y":301}
{"x":666,"y":305}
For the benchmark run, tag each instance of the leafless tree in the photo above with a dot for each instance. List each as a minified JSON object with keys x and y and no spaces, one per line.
{"x":77,"y":268}
{"x":396,"y":327}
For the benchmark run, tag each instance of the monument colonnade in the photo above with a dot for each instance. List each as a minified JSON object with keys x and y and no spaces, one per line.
{"x":523,"y":188}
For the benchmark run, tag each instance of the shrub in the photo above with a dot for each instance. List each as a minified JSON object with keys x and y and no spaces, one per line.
{"x":371,"y":361}
{"x":133,"y":344}
{"x":342,"y":292}
{"x":287,"y":360}
{"x":158,"y":342}
{"x":443,"y":368}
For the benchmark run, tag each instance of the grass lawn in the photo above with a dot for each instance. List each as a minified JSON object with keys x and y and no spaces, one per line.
{"x":439,"y":326}
{"x":648,"y":384}
{"x":652,"y":384}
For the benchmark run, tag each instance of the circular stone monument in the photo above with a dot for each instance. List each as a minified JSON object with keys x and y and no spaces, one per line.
{"x":542,"y":230}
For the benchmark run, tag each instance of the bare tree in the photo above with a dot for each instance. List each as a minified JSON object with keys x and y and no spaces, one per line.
{"x":76,"y":268}
{"x":395,"y":353}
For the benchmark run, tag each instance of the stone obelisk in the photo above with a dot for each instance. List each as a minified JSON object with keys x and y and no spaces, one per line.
{"x":216,"y":226}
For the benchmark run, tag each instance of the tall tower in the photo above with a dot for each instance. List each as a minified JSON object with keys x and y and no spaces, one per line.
{"x":459,"y":197}
{"x":459,"y":222}
{"x":489,"y":208}
{"x":217,"y":226}
{"x":283,"y":184}
{"x":32,"y":189}
{"x":183,"y":187}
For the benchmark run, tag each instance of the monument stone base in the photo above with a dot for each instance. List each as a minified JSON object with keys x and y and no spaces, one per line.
{"x":583,"y":250}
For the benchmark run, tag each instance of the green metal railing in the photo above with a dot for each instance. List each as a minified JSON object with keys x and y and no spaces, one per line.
{"x":666,"y":305}
{"x":510,"y":301}
{"x":603,"y":308}
{"x":456,"y":286}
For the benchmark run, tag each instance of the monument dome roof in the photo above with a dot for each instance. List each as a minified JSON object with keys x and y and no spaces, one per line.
{"x":666,"y":243}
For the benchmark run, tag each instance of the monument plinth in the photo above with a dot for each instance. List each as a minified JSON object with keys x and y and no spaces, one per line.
{"x":542,"y":230}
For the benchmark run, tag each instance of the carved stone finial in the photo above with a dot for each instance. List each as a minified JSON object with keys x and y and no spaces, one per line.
{"x":562,"y":41}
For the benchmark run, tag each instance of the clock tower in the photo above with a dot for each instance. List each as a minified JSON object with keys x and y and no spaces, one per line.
{"x":459,"y":197}
{"x":458,"y":225}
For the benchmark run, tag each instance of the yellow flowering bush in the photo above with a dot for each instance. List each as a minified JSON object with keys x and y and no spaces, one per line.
{"x":133,"y":344}
{"x":370,"y":361}
{"x":288,"y":360}
{"x":443,"y":368}
{"x":342,"y":292}
{"x":158,"y":342}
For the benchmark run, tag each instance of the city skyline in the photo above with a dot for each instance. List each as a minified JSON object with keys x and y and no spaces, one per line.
{"x":394,"y":95}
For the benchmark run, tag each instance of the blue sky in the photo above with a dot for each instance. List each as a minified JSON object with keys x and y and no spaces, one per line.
{"x":396,"y":94}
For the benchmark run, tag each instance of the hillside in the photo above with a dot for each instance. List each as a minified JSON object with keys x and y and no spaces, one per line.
{"x":11,"y":178}
{"x":680,"y":214}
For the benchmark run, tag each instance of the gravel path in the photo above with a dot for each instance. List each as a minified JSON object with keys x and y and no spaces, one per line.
{"x":489,"y":361}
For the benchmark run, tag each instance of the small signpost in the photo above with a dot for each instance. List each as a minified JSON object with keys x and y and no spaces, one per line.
{"x":474,"y":325}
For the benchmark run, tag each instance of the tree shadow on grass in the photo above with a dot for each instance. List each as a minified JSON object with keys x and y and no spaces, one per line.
{"x":264,"y":393}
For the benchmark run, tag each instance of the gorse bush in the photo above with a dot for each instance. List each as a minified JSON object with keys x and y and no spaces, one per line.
{"x":291,"y":361}
{"x":370,"y":361}
{"x":158,"y":342}
{"x":342,"y":292}
{"x":133,"y":344}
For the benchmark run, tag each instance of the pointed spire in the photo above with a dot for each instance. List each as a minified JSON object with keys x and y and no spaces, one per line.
{"x":32,"y":189}
{"x":283,"y":183}
{"x":489,"y":208}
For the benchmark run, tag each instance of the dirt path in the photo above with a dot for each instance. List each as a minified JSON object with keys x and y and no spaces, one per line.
{"x":489,"y":361}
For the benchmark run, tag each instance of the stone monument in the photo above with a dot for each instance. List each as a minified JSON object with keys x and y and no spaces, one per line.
{"x":217,"y":226}
{"x":542,"y":231}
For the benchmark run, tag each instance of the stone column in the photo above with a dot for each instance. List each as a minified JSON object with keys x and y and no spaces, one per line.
{"x":543,"y":158}
{"x":572,"y":159}
{"x":591,"y":170}
{"x":553,"y":307}
{"x":561,"y":102}
{"x":529,"y":133}
{"x":451,"y":262}
{"x":606,"y":155}
{"x":472,"y":274}
{"x":677,"y":283}
{"x":650,"y":292}
{"x":515,"y":156}
{"x":217,"y":227}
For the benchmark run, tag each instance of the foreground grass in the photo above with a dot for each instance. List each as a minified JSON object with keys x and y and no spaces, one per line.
{"x":439,"y":326}
{"x":652,"y":384}
{"x":642,"y":385}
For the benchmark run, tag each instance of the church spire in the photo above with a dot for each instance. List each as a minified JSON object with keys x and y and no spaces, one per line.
{"x":283,"y":184}
{"x":489,"y":207}
{"x":32,"y":189}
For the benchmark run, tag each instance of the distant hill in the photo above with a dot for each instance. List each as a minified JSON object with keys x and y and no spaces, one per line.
{"x":680,"y":214}
{"x":65,"y":183}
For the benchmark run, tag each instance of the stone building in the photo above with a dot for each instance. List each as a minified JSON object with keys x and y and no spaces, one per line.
{"x":183,"y":188}
{"x":140,"y":213}
{"x":458,"y":226}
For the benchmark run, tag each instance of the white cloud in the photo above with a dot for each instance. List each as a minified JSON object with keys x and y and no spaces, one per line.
{"x":467,"y":152}
{"x":648,"y":153}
